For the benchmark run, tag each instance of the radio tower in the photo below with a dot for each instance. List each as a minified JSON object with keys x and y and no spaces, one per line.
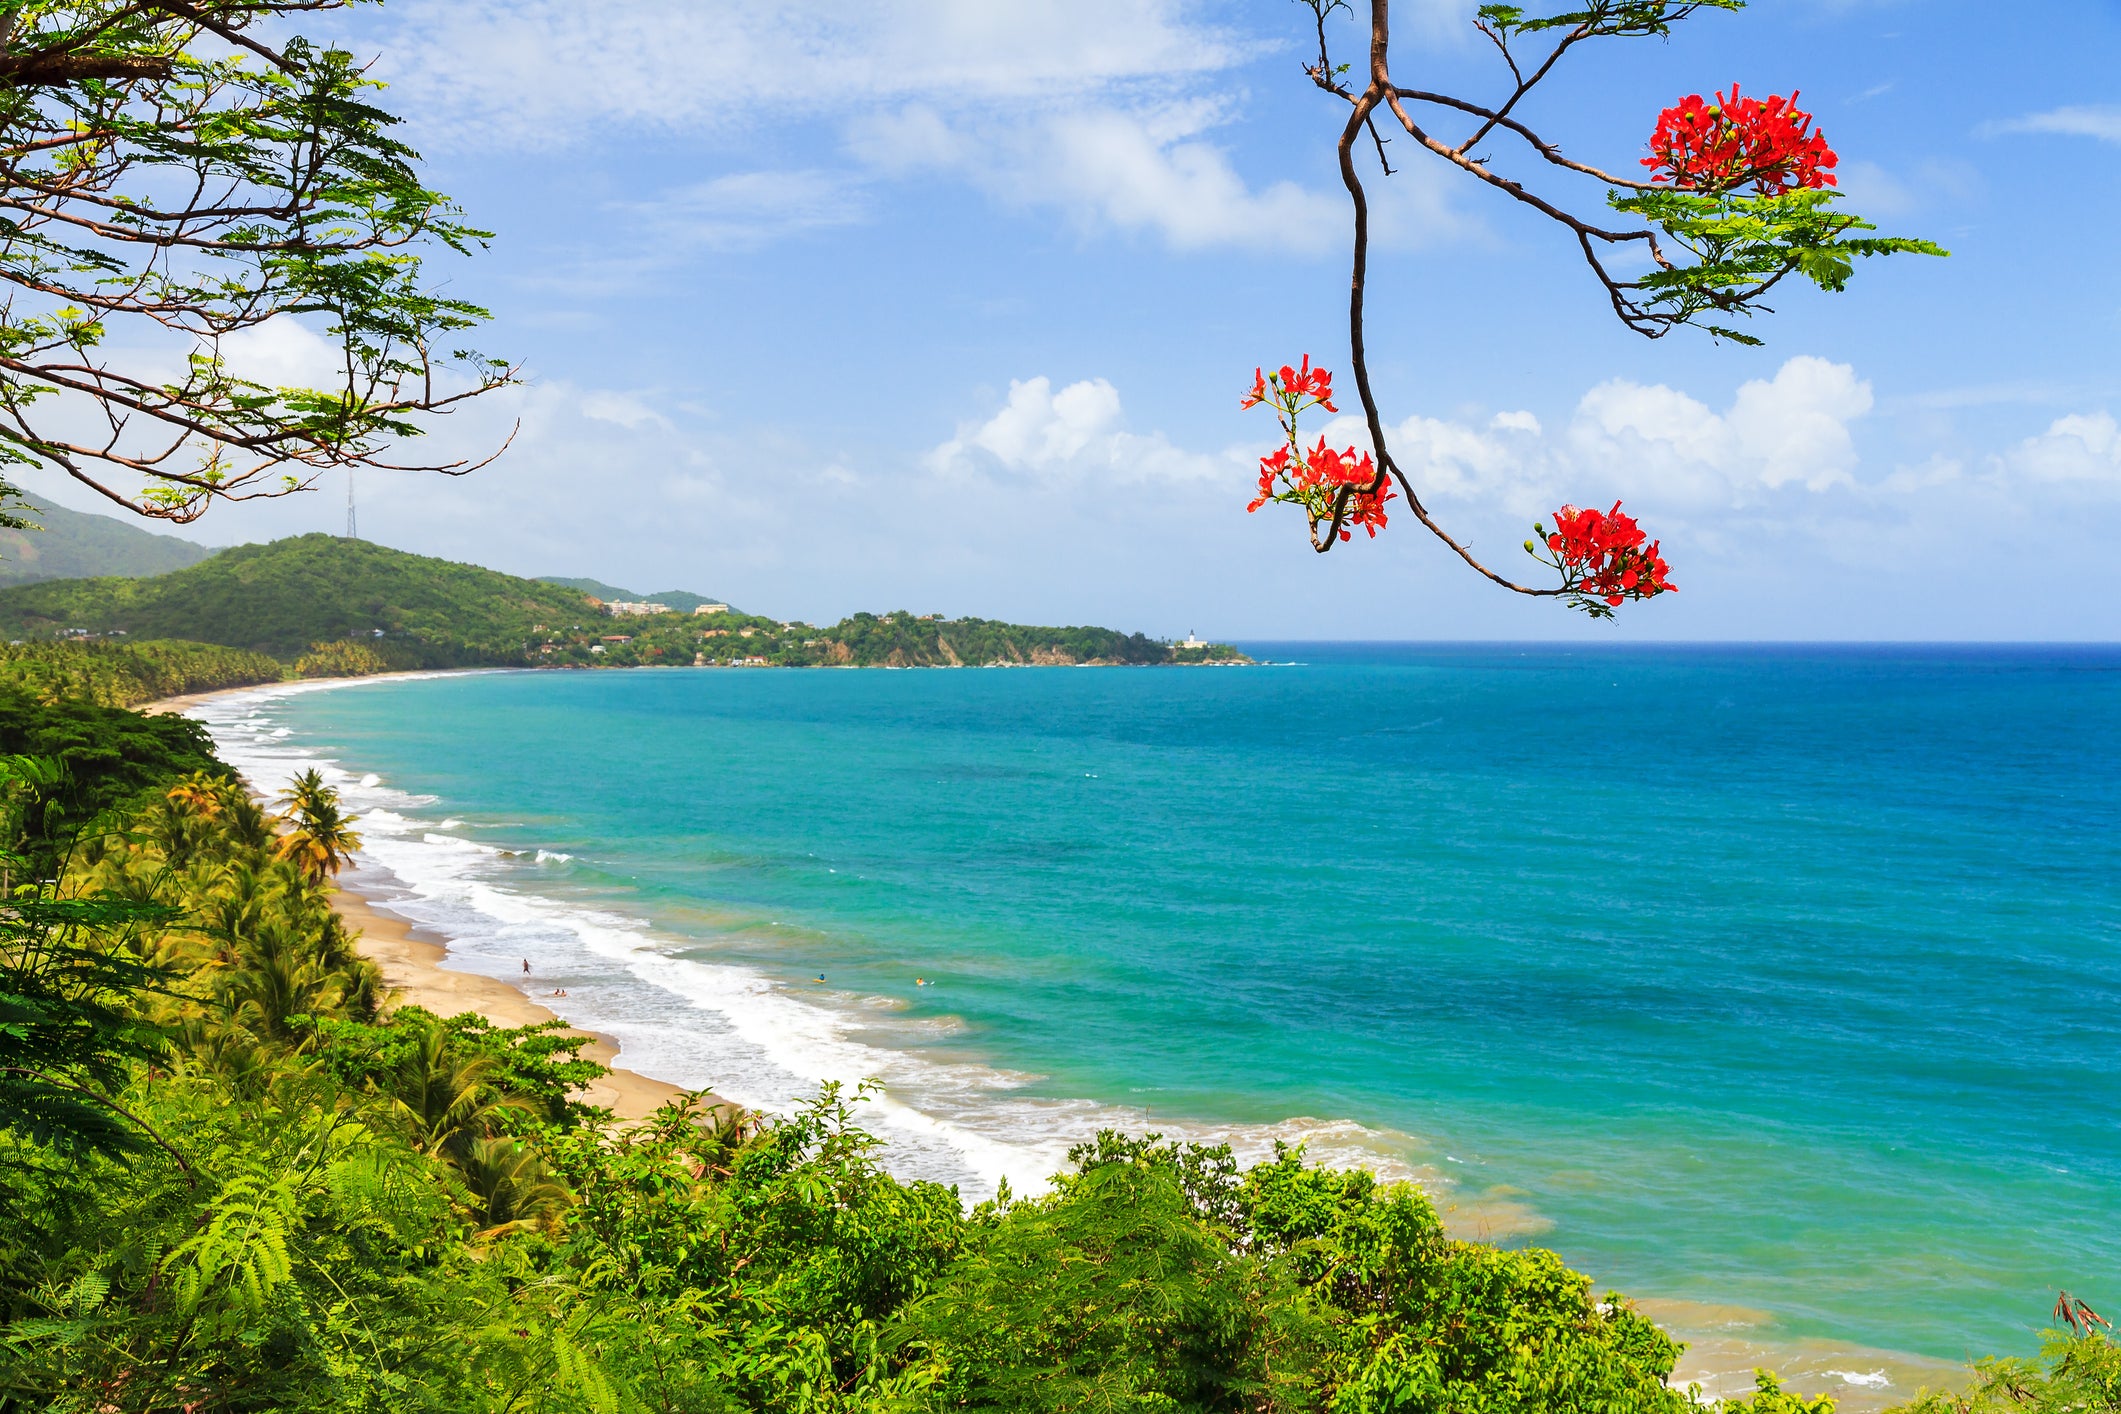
{"x":349,"y":504}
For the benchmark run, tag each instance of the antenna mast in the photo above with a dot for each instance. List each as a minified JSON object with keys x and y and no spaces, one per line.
{"x":349,"y":504}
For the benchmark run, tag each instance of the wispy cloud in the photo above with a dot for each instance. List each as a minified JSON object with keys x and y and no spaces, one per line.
{"x":541,"y":74}
{"x":2093,"y":120}
{"x":1104,"y":111}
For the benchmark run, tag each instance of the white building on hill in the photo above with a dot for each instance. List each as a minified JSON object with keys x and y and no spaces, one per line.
{"x":621,"y":608}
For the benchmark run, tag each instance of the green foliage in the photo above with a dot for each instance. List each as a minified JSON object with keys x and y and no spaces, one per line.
{"x":1743,"y":244}
{"x":284,"y":597}
{"x":340,"y":658}
{"x":191,"y":169}
{"x":68,"y":1034}
{"x":115,"y":674}
{"x":1614,"y":18}
{"x":64,"y":544}
{"x":897,"y":640}
{"x":2079,"y":1372}
{"x":113,"y":758}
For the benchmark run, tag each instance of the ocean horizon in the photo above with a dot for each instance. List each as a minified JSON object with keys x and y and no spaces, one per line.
{"x":1771,"y":982}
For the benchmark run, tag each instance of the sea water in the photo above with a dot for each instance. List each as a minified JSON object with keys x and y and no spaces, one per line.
{"x":1780,"y":985}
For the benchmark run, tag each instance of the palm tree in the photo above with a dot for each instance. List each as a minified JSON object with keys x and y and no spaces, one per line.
{"x":446,"y":1096}
{"x":277,"y":979}
{"x":514,"y":1187}
{"x":202,"y":793}
{"x":319,"y":839}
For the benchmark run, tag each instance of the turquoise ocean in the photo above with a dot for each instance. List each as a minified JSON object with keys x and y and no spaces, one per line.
{"x":1778,"y":986}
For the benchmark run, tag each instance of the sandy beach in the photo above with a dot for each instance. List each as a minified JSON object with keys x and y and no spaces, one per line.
{"x":412,"y":967}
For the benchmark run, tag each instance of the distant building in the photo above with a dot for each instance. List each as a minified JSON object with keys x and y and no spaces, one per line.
{"x":623,"y":607}
{"x":618,"y":638}
{"x":1193,"y":641}
{"x":711,"y":609}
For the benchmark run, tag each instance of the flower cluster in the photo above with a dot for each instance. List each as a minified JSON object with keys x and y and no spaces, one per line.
{"x":1717,"y":147}
{"x":1602,"y":559}
{"x":1292,"y":389}
{"x":1317,"y":479}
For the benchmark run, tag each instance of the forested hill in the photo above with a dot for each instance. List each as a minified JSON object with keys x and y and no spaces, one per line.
{"x":287,"y":596}
{"x":72,"y":544}
{"x":331,"y":606}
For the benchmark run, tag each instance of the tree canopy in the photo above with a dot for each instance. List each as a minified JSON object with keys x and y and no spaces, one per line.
{"x":174,"y":173}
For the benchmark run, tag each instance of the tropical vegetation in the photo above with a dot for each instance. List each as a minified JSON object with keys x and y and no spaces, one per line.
{"x":126,"y":674}
{"x":332,"y":607}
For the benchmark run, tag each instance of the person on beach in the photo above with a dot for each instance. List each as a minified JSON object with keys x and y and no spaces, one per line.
{"x":526,"y":967}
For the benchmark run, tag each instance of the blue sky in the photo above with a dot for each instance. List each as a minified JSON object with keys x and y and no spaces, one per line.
{"x":946,"y":305}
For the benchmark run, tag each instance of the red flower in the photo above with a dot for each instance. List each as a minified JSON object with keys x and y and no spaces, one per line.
{"x":1308,"y":382}
{"x":1601,"y":556}
{"x":1766,"y":143}
{"x":1319,"y":479}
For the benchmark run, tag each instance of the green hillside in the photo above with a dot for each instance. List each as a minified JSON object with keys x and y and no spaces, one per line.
{"x":284,"y":597}
{"x":336,"y":607}
{"x":683,"y":601}
{"x":76,"y":545}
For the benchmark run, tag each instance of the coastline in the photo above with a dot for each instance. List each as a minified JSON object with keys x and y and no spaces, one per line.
{"x":413,"y":971}
{"x":1725,"y":1343}
{"x":185,"y":702}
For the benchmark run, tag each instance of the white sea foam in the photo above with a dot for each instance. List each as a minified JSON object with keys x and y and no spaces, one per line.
{"x":681,"y":1014}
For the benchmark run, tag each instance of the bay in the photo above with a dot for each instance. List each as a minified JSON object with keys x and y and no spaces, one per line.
{"x":1777,"y":978}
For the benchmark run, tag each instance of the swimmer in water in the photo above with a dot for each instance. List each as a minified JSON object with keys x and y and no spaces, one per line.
{"x":821,"y":977}
{"x":526,"y":967}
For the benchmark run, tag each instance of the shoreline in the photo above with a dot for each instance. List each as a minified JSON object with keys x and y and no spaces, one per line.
{"x":182,"y":703}
{"x":413,"y":971}
{"x":413,"y":966}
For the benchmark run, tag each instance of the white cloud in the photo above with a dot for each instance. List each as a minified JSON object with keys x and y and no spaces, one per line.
{"x":549,"y":73}
{"x":1102,"y":109}
{"x":746,"y":210}
{"x":1079,"y":431}
{"x":284,"y":353}
{"x":621,"y":410}
{"x":1147,"y":169}
{"x":1644,"y":441}
{"x":1791,"y":428}
{"x":2093,"y":120}
{"x":1796,"y":427}
{"x":2082,"y":448}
